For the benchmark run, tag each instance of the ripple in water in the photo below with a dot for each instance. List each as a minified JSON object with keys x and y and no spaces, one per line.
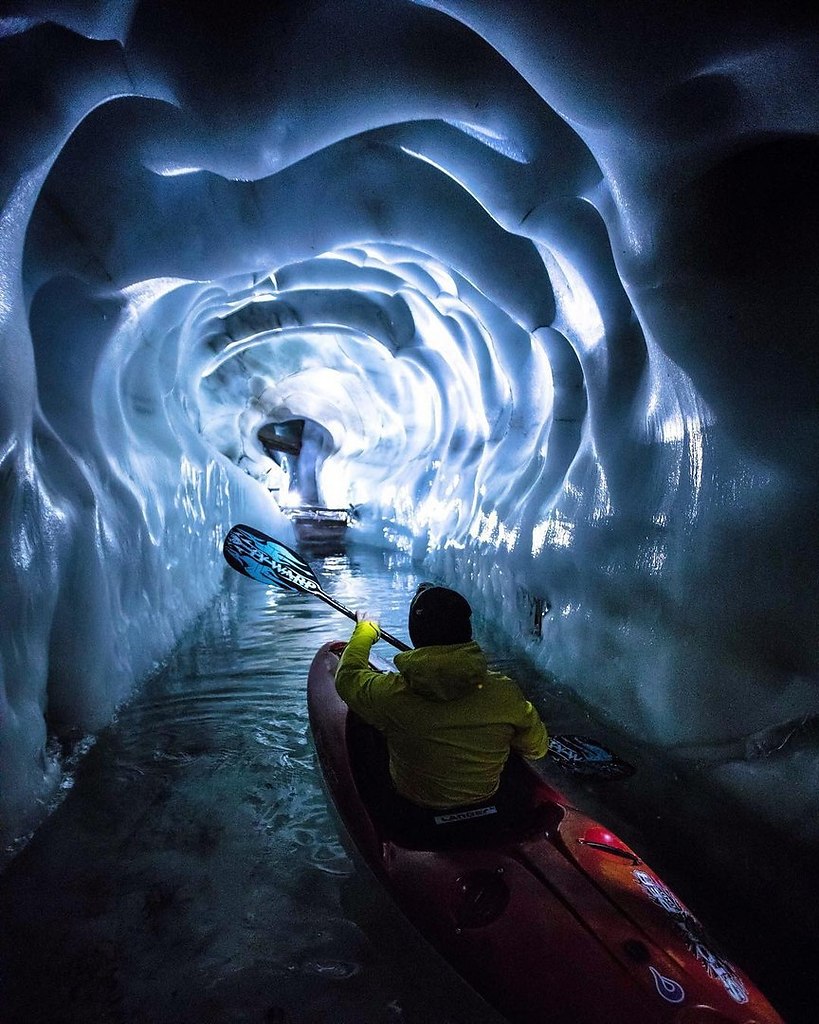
{"x":193,"y":872}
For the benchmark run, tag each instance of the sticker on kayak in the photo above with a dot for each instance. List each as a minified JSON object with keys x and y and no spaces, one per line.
{"x":478,"y":812}
{"x":695,"y":936}
{"x":669,"y":989}
{"x":267,"y":561}
{"x":583,"y":756}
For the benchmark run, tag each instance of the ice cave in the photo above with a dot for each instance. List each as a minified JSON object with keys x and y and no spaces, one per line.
{"x":537,"y":286}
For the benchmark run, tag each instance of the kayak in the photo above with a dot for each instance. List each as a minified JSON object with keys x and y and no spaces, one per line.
{"x":545,"y":913}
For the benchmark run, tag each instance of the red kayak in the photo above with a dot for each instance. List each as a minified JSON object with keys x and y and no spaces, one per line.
{"x":548,"y":915}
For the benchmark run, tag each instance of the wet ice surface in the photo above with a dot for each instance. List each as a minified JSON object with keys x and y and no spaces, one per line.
{"x":194,"y":873}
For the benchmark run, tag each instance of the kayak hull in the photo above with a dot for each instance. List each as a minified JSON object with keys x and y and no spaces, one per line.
{"x":550,"y":917}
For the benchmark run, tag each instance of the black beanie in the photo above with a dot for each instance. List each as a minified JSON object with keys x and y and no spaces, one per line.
{"x":438,"y":615}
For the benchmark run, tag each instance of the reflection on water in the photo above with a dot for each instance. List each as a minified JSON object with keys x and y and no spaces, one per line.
{"x":193,"y":873}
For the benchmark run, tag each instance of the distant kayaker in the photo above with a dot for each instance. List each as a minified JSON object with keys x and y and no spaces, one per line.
{"x":449,"y":722}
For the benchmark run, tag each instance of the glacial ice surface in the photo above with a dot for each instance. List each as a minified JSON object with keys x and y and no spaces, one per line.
{"x":548,"y":279}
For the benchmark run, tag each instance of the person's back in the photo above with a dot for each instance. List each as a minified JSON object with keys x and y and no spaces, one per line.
{"x":449,"y":722}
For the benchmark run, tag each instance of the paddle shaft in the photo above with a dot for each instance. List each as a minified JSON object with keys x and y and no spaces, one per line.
{"x":562,"y":749}
{"x":248,"y":549}
{"x":383,"y":634}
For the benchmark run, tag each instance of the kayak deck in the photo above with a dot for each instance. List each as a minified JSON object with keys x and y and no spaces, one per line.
{"x":547,"y":914}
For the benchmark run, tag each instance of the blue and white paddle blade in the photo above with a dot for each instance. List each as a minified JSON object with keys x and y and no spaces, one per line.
{"x":582,"y":756}
{"x":268,"y":561}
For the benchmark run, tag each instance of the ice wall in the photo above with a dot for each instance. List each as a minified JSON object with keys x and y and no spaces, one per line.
{"x":546,"y":276}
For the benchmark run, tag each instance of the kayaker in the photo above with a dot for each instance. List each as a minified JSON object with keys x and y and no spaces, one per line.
{"x":449,"y":723}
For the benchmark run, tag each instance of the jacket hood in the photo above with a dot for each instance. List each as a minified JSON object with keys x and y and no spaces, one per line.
{"x":445,"y":672}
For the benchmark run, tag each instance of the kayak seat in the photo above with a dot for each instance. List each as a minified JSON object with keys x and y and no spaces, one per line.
{"x":521,"y":805}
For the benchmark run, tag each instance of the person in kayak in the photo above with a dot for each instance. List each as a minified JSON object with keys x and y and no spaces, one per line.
{"x":449,"y":723}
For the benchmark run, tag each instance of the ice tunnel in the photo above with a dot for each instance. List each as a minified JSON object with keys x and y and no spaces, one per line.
{"x":542,"y":277}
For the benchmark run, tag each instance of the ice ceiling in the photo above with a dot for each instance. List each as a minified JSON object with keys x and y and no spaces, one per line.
{"x":547,"y":276}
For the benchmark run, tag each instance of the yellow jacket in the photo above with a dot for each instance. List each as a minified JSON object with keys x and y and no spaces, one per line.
{"x":448,"y":721}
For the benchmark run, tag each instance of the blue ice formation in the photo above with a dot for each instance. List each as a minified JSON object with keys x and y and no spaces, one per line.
{"x":546,"y":276}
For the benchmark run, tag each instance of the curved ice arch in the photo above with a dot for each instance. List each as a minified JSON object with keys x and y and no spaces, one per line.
{"x":637,"y":466}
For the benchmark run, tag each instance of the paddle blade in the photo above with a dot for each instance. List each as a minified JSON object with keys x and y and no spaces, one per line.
{"x":579,"y":755}
{"x":262,"y":558}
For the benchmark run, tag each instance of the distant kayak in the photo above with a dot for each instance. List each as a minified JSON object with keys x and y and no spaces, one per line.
{"x":546,"y":913}
{"x":319,"y":527}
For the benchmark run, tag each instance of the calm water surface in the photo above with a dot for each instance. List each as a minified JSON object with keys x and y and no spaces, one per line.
{"x":194,"y":874}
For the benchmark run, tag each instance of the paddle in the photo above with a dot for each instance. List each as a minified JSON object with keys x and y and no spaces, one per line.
{"x":258,"y":556}
{"x":261,"y":558}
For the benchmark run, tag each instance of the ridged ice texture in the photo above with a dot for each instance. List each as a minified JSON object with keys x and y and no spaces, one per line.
{"x":546,"y":275}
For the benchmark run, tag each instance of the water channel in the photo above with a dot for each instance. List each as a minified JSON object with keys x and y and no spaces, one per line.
{"x":193,"y":873}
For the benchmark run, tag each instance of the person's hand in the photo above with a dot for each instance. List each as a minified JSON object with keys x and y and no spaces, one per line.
{"x":362,"y":616}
